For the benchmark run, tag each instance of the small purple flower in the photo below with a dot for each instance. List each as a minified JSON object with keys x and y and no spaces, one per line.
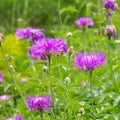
{"x":18,"y":117}
{"x":1,"y":77}
{"x":30,"y":34}
{"x":39,"y":103}
{"x":84,"y":21}
{"x":4,"y":97}
{"x":1,"y":37}
{"x":110,"y":4}
{"x":90,"y":61}
{"x":43,"y":49}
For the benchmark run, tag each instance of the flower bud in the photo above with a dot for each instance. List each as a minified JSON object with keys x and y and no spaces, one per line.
{"x":1,"y":37}
{"x":45,"y":68}
{"x":23,"y":80}
{"x":11,"y":68}
{"x":69,"y":34}
{"x":71,"y":50}
{"x":110,"y":31}
{"x":67,"y":79}
{"x":82,"y":111}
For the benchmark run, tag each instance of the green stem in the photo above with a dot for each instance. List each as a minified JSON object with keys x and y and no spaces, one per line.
{"x":84,"y":39}
{"x":49,"y":62}
{"x":41,"y":114}
{"x":91,"y":86}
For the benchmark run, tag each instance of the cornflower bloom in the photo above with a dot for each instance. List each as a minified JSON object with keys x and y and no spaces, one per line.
{"x":110,"y":4}
{"x":30,"y":34}
{"x":90,"y":61}
{"x":39,"y":103}
{"x":4,"y":97}
{"x":1,"y":77}
{"x":18,"y":117}
{"x":84,"y":22}
{"x":44,"y":49}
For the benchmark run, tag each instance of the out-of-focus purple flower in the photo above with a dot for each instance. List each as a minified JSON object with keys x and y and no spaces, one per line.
{"x":18,"y":117}
{"x":110,"y":4}
{"x":2,"y":37}
{"x":30,"y":34}
{"x":84,"y":21}
{"x":4,"y":97}
{"x":43,"y":49}
{"x":1,"y":77}
{"x":90,"y":61}
{"x":87,"y":84}
{"x":39,"y":103}
{"x":111,"y":31}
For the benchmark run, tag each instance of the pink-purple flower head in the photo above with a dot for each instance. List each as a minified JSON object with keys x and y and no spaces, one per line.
{"x":4,"y":97}
{"x":39,"y":103}
{"x":90,"y":61}
{"x":43,"y":49}
{"x":110,"y":4}
{"x":2,"y":37}
{"x":1,"y":77}
{"x":18,"y":117}
{"x":84,"y":22}
{"x":30,"y":34}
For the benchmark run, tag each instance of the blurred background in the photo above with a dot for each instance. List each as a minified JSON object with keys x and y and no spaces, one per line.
{"x":44,"y":13}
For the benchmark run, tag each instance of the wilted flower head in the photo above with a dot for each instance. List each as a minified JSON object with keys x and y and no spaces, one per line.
{"x":18,"y":117}
{"x":39,"y":103}
{"x":90,"y":61}
{"x":42,"y":49}
{"x":110,"y":4}
{"x":4,"y":97}
{"x":30,"y":34}
{"x":84,"y":21}
{"x":1,"y":77}
{"x":1,"y":37}
{"x":111,"y":31}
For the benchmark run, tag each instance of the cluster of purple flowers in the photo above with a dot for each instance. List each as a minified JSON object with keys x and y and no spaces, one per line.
{"x":84,"y":22}
{"x":1,"y":77}
{"x":18,"y":117}
{"x":39,"y":103}
{"x":110,"y":4}
{"x":30,"y":34}
{"x":43,"y":49}
{"x":90,"y":61}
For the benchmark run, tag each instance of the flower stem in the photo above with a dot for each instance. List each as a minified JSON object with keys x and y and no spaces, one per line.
{"x":91,"y":85}
{"x":49,"y":62}
{"x":84,"y":38}
{"x":41,"y":114}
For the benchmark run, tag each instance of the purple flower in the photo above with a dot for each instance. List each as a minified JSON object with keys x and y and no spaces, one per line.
{"x":30,"y":34}
{"x":39,"y":103}
{"x":18,"y":117}
{"x":110,"y":4}
{"x":1,"y":77}
{"x":90,"y":61}
{"x":4,"y":97}
{"x":84,"y":21}
{"x":1,"y":37}
{"x":42,"y":49}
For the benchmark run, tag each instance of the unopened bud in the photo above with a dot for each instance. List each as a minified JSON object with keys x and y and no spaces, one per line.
{"x":110,"y":31}
{"x":71,"y":50}
{"x":11,"y":68}
{"x":23,"y":80}
{"x":45,"y":68}
{"x":82,"y":111}
{"x":1,"y":37}
{"x":67,"y":79}
{"x":69,"y":34}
